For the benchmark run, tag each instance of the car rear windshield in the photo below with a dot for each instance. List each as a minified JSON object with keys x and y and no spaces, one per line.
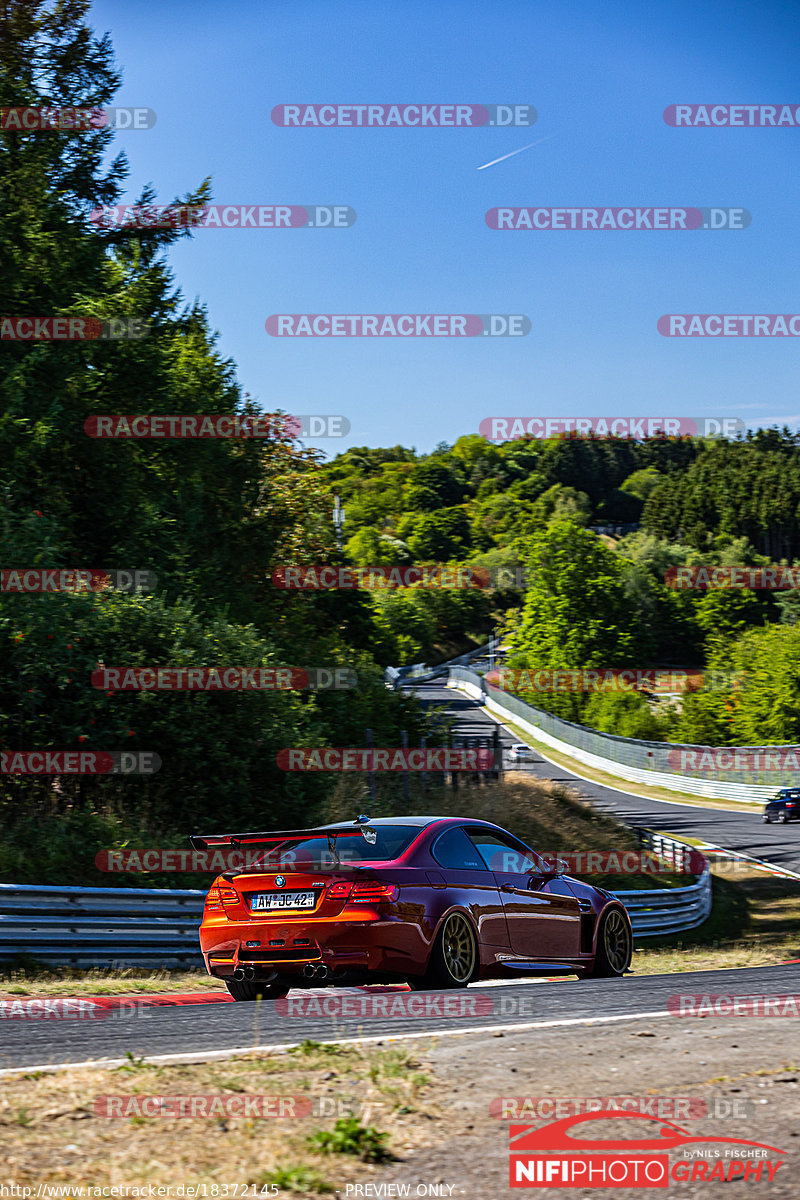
{"x":349,"y":849}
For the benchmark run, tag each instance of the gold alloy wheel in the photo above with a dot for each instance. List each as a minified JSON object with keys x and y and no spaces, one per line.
{"x":616,"y":941}
{"x":458,"y":948}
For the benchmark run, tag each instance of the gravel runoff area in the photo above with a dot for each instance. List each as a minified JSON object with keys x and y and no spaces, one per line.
{"x":433,"y":1100}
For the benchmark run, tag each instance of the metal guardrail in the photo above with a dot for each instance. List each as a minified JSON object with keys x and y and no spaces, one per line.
{"x":627,"y":758}
{"x":108,"y":927}
{"x":144,"y":927}
{"x":422,"y":673}
{"x":657,"y":912}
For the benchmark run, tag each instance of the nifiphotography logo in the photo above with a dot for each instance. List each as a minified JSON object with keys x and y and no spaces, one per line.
{"x":553,"y":1155}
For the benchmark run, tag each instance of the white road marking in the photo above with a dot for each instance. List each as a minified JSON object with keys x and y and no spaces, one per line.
{"x":194,"y":1056}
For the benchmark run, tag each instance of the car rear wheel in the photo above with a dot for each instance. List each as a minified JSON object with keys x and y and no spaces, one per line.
{"x":614,"y":946}
{"x":783,"y":818}
{"x":252,"y":989}
{"x":454,"y":958}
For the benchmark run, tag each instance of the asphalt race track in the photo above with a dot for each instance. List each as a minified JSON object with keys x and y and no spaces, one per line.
{"x":203,"y":1029}
{"x":744,"y":832}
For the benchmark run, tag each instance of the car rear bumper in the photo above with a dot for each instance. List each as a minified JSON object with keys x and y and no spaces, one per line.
{"x":369,"y":945}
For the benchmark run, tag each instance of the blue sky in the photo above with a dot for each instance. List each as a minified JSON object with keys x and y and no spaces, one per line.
{"x":599,"y":75}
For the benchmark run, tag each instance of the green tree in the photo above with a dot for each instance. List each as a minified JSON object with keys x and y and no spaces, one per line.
{"x":576,"y":611}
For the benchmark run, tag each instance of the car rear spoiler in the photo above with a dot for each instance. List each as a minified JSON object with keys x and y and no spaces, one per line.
{"x":206,"y":841}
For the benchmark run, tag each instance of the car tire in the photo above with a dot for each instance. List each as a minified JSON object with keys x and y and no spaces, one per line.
{"x":783,"y":818}
{"x":614,"y":946}
{"x":454,"y":957}
{"x":766,"y":819}
{"x":253,"y":989}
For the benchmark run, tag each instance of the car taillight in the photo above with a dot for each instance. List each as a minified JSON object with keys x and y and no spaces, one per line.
{"x":218,"y":896}
{"x":370,"y":892}
{"x":340,"y":891}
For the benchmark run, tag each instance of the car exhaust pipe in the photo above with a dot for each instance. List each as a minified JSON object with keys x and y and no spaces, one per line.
{"x":249,"y":972}
{"x":321,"y":972}
{"x":239,"y":973}
{"x":309,"y":971}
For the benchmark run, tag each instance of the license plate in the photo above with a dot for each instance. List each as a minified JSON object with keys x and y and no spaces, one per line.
{"x":270,"y":900}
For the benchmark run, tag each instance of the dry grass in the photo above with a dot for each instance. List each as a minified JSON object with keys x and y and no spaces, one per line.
{"x":50,"y":1133}
{"x":770,"y":933}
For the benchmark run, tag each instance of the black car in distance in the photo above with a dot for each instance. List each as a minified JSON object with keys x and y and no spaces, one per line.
{"x":783,"y":807}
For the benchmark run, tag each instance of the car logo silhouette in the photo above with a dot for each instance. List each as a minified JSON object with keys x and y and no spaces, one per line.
{"x":555,"y":1136}
{"x":279,"y":881}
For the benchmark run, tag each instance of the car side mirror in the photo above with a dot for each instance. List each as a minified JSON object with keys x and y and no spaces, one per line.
{"x":551,"y":868}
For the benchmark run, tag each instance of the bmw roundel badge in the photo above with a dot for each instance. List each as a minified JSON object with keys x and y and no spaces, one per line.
{"x":279,"y":881}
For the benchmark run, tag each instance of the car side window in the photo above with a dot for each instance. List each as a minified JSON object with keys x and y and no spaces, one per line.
{"x":504,"y":854}
{"x":455,"y":850}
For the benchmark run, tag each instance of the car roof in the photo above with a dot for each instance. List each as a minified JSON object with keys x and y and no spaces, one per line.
{"x":413,"y":820}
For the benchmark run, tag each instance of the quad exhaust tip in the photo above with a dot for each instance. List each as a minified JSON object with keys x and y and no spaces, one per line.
{"x":244,"y":973}
{"x":315,"y":971}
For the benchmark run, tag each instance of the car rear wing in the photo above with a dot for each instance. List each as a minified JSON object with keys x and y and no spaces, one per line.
{"x":208,"y":841}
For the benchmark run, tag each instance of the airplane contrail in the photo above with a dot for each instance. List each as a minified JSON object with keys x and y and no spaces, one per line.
{"x":513,"y":152}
